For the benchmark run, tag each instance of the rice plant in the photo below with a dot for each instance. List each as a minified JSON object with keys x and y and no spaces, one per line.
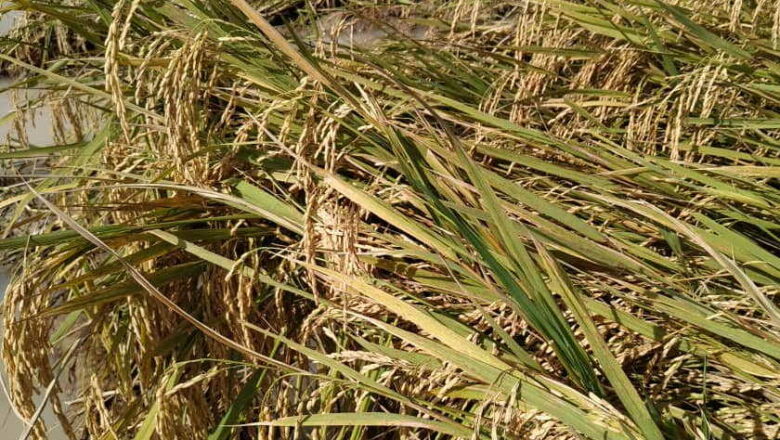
{"x":391,"y":219}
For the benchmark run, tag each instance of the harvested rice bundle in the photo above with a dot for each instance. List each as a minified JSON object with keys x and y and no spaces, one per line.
{"x":491,"y":220}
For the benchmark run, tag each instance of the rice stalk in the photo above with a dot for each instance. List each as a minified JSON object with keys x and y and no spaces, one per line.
{"x":449,"y":219}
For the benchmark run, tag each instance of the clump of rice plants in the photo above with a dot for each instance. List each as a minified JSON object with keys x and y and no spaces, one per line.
{"x":395,"y":220}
